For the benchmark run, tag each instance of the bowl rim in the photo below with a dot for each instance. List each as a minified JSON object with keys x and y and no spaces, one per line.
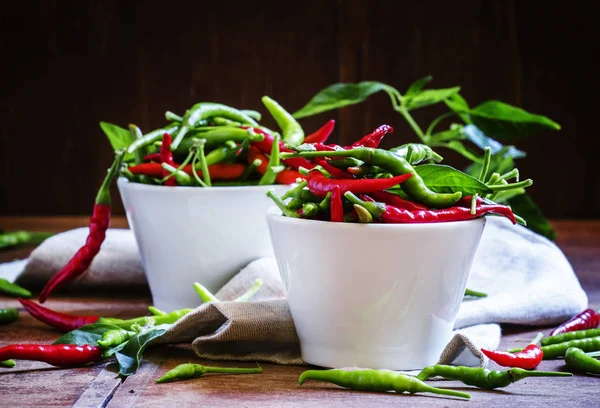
{"x":273,"y":214}
{"x":122,"y":181}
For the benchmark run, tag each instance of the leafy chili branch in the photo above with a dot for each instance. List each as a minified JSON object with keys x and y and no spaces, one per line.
{"x":488,"y":125}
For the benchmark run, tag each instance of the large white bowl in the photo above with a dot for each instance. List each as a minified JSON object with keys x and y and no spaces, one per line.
{"x":192,"y":234}
{"x":373,"y":295}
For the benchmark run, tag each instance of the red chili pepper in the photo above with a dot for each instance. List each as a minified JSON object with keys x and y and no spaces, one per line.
{"x":320,"y":185}
{"x":266,"y":144}
{"x":396,"y":201}
{"x":287,"y":176}
{"x":334,"y":171}
{"x":152,"y":157}
{"x":337,"y":209}
{"x":147,"y":169}
{"x":372,"y":139}
{"x":99,"y":223}
{"x":166,"y":156}
{"x":62,"y":321}
{"x":528,"y":358}
{"x":321,"y":135}
{"x":218,"y":171}
{"x":588,"y":319}
{"x":60,"y":355}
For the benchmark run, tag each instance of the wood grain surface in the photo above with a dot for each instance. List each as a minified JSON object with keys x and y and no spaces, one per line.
{"x":34,"y":384}
{"x":69,"y":64}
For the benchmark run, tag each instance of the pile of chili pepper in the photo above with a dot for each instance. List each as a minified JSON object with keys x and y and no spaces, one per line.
{"x":364,"y":183}
{"x":218,"y":145}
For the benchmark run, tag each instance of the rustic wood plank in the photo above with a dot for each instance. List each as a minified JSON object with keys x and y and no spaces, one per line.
{"x":101,"y":390}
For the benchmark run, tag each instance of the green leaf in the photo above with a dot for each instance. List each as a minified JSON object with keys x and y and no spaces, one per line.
{"x":89,"y":334}
{"x":459,"y":105}
{"x":130,"y":355}
{"x":118,"y":137}
{"x":417,"y":86}
{"x":339,"y":95}
{"x":446,"y":179}
{"x":479,"y":139}
{"x":428,"y":97}
{"x":505,"y":122}
{"x":536,"y":221}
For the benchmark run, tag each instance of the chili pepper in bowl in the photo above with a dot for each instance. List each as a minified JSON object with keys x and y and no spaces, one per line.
{"x":373,"y":139}
{"x":588,"y":319}
{"x":166,"y":156}
{"x":527,"y":359}
{"x":320,"y":185}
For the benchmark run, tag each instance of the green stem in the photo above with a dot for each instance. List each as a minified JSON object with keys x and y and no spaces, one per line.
{"x":486,"y":163}
{"x":189,"y":157}
{"x":202,"y":159}
{"x":413,"y":125}
{"x":474,"y":293}
{"x":194,"y":172}
{"x":537,"y":338}
{"x":364,"y":216}
{"x":204,"y":293}
{"x":103,"y":196}
{"x":436,"y":121}
{"x":250,"y":292}
{"x":513,"y":173}
{"x":155,"y":311}
{"x":520,"y":220}
{"x":173,"y":117}
{"x":520,"y":184}
{"x":279,"y":202}
{"x":473,"y":204}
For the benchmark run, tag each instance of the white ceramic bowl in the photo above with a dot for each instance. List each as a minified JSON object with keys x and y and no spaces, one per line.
{"x":373,"y":295}
{"x":191,"y":234}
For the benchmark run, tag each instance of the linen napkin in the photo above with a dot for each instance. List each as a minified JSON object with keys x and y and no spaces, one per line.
{"x":527,"y":277}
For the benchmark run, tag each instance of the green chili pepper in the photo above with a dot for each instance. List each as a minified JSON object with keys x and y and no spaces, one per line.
{"x":152,"y":137}
{"x":364,"y":216}
{"x":281,"y":205}
{"x":375,"y":380}
{"x":204,"y":293}
{"x":325,"y":204}
{"x":115,"y":337}
{"x":574,"y":335}
{"x":310,"y":210}
{"x":484,"y":378}
{"x":415,"y":153}
{"x":558,"y":350}
{"x":274,"y":165}
{"x":290,"y":128}
{"x":168,"y":318}
{"x":155,"y":311}
{"x":205,"y":110}
{"x":8,"y":363}
{"x":217,"y":136}
{"x":396,"y":165}
{"x":345,"y":163}
{"x":219,"y":121}
{"x":16,"y":238}
{"x":578,"y":360}
{"x":295,"y":204}
{"x":474,"y":293}
{"x":188,"y":371}
{"x":8,"y":315}
{"x":222,"y":153}
{"x":13,"y":289}
{"x":244,"y":297}
{"x":253,"y":114}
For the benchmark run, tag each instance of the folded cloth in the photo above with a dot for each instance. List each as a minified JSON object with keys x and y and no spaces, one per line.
{"x":527,"y":277}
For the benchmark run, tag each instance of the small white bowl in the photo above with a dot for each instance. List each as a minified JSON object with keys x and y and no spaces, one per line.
{"x":193,"y":234}
{"x":373,"y":295}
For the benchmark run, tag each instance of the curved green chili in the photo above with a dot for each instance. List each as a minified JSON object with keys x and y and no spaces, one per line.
{"x":376,"y":381}
{"x":577,"y":359}
{"x":291,"y":130}
{"x":152,"y":137}
{"x":482,"y":377}
{"x":274,"y":165}
{"x":396,"y":165}
{"x":115,"y":337}
{"x":12,"y":289}
{"x":188,"y":371}
{"x":206,"y":110}
{"x":559,"y":350}
{"x":218,"y":136}
{"x":8,"y":315}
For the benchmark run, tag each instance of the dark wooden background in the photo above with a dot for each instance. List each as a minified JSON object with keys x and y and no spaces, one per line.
{"x":66,"y":65}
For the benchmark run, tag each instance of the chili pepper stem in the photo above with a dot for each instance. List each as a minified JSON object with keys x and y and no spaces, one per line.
{"x":505,"y":187}
{"x":486,"y":164}
{"x":518,"y":374}
{"x":103,"y":196}
{"x":204,"y":293}
{"x":474,"y":293}
{"x":279,"y":202}
{"x":537,"y":338}
{"x":156,"y":312}
{"x":250,"y":292}
{"x":364,"y":216}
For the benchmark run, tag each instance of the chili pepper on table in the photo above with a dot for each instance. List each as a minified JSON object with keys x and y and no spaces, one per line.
{"x":60,"y":355}
{"x":166,"y":156}
{"x":62,"y":321}
{"x":588,"y":319}
{"x":12,"y":289}
{"x":320,"y":185}
{"x":15,"y":238}
{"x":576,"y":358}
{"x":573,"y":335}
{"x":558,"y":350}
{"x":99,"y":223}
{"x":482,"y":377}
{"x":527,"y":359}
{"x":376,"y":381}
{"x":391,"y":214}
{"x":188,"y":371}
{"x":322,"y":134}
{"x":8,"y":315}
{"x":336,"y":208}
{"x":8,"y":364}
{"x":291,"y":130}
{"x":413,"y":186}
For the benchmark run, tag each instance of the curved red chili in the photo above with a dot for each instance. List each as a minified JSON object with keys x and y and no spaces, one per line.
{"x":60,"y":355}
{"x":320,"y":185}
{"x":62,"y":321}
{"x":372,"y":139}
{"x":397,"y":201}
{"x":322,"y":134}
{"x":152,"y":157}
{"x":166,"y":156}
{"x":336,"y":207}
{"x":528,"y":359}
{"x":588,"y":319}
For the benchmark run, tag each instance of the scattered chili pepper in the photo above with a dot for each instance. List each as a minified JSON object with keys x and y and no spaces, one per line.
{"x":588,"y":319}
{"x":396,"y":201}
{"x":290,"y":128}
{"x":62,"y":321}
{"x":558,"y":350}
{"x":474,"y":293}
{"x":188,"y":371}
{"x":374,"y":138}
{"x":16,"y":238}
{"x":320,"y":185}
{"x":8,"y":364}
{"x":376,"y":381}
{"x":337,"y":210}
{"x":99,"y":223}
{"x":573,"y":335}
{"x":113,"y":338}
{"x":391,"y":214}
{"x":8,"y":315}
{"x":527,"y":359}
{"x":577,"y":359}
{"x":12,"y":289}
{"x":152,"y":157}
{"x":166,"y":156}
{"x":60,"y":355}
{"x":322,"y":134}
{"x":484,"y":378}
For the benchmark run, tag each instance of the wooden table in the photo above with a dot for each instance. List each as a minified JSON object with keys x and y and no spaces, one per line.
{"x":39,"y":385}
